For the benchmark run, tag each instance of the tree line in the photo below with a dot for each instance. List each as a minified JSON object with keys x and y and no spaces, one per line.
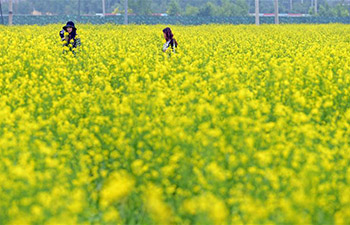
{"x":178,"y":7}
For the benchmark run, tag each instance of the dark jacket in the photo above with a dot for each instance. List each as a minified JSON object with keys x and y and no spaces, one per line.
{"x":70,"y":40}
{"x":172,"y":44}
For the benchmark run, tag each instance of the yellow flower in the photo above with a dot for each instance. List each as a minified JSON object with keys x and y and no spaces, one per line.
{"x":117,"y":187}
{"x":250,"y":128}
{"x":159,"y":211}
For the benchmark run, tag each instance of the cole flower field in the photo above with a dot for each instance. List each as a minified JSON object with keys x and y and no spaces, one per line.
{"x":243,"y":125}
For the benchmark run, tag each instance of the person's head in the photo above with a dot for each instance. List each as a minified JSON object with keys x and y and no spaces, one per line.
{"x":70,"y":27}
{"x":168,"y":35}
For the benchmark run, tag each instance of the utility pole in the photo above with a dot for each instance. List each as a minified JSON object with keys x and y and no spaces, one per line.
{"x":257,"y":19}
{"x":10,"y":12}
{"x":315,"y":7}
{"x":2,"y":16}
{"x":276,"y":12}
{"x":79,"y":8}
{"x":126,"y":12}
{"x":291,"y":5}
{"x":103,"y":7}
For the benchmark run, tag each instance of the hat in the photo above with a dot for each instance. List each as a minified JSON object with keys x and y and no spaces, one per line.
{"x":69,"y":24}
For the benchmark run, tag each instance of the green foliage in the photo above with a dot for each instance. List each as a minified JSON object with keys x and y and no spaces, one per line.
{"x":191,"y":11}
{"x":207,"y":10}
{"x":227,"y":8}
{"x":341,"y":10}
{"x":141,"y":7}
{"x":185,"y":20}
{"x":241,"y":8}
{"x":338,"y":10}
{"x":243,"y":125}
{"x":22,"y":8}
{"x":325,"y":10}
{"x":311,"y":11}
{"x":300,"y":8}
{"x":174,"y":8}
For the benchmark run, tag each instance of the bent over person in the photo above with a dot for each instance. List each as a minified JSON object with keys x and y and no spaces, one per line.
{"x":170,"y":40}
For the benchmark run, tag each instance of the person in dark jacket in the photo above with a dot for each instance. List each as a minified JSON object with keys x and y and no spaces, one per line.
{"x":70,"y":38}
{"x":170,"y":40}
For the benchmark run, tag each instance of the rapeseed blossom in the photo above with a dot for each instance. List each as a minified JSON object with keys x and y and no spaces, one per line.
{"x":250,"y":126}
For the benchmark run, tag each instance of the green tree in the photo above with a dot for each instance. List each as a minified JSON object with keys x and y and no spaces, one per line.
{"x":300,"y":8}
{"x":141,"y":7}
{"x":228,"y":8}
{"x":191,"y":11}
{"x":233,"y":8}
{"x":174,"y":8}
{"x":22,"y":7}
{"x":326,"y":11}
{"x":207,"y":10}
{"x":241,"y":8}
{"x":341,"y":10}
